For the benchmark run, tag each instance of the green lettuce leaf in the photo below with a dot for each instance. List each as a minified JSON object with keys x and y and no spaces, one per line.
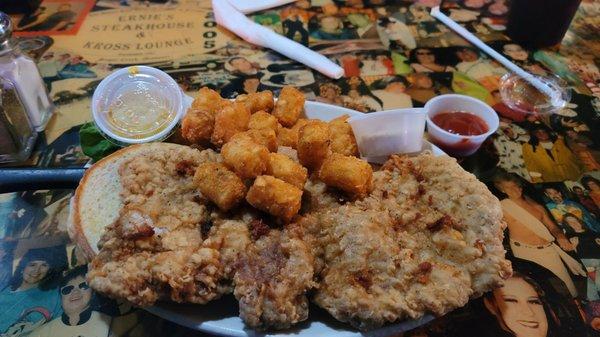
{"x":93,"y":143}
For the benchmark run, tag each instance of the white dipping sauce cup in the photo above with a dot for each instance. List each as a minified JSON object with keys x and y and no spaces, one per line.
{"x":388,"y":132}
{"x":157,"y":83}
{"x":451,"y":143}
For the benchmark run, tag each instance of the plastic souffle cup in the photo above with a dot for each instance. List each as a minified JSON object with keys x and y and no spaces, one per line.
{"x":138,"y":104}
{"x":452,"y":143}
{"x":380,"y":134}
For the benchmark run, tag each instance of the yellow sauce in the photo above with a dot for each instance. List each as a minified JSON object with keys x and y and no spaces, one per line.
{"x":139,"y":112}
{"x":133,"y":70}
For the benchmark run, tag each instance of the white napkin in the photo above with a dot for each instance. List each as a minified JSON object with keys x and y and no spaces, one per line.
{"x":249,"y":6}
{"x":229,"y":17}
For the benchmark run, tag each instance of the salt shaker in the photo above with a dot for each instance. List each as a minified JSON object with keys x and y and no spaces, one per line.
{"x":17,"y":134}
{"x":24,"y":75}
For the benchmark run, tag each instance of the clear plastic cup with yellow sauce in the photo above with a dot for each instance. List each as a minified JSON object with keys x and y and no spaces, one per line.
{"x":138,"y":104}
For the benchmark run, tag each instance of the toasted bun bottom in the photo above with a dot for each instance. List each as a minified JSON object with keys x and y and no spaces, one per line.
{"x":97,"y":200}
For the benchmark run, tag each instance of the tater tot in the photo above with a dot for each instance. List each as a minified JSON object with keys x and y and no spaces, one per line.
{"x":198,"y":123}
{"x":257,"y":101}
{"x":289,"y":137}
{"x":288,"y":152}
{"x":229,"y":120}
{"x":275,"y":197}
{"x":219,"y":185}
{"x":313,"y":144}
{"x":283,"y":167}
{"x":263,"y":120}
{"x":342,"y":137}
{"x":264,"y":137}
{"x":300,"y":123}
{"x":289,"y":106}
{"x":349,"y":174}
{"x":247,"y":158}
{"x":208,"y":99}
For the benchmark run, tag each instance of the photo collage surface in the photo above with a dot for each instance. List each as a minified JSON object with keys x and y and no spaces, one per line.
{"x":544,"y":169}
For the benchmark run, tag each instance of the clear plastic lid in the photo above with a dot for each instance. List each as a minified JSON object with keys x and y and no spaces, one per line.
{"x":520,"y":95}
{"x":137,"y":104}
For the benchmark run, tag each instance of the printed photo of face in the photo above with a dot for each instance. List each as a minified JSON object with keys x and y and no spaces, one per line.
{"x":542,"y":135}
{"x":591,"y":184}
{"x":467,"y":55}
{"x":578,"y":191}
{"x":251,"y":85}
{"x":499,"y":7}
{"x":425,"y":56}
{"x":573,"y":222}
{"x":519,"y":309}
{"x":304,"y":4}
{"x":474,"y":3}
{"x":355,"y":3}
{"x":331,"y":24}
{"x":396,"y":87}
{"x":35,"y":271}
{"x":510,"y":188}
{"x":75,"y":295}
{"x":595,"y":323}
{"x":515,"y":52}
{"x":241,"y":65}
{"x":554,"y":195}
{"x":423,"y":81}
{"x":329,"y":91}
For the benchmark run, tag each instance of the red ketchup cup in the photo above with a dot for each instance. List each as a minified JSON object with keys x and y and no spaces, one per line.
{"x":459,"y":124}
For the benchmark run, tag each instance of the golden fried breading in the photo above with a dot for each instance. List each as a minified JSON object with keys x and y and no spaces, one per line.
{"x":289,"y":106}
{"x":289,"y":152}
{"x":275,"y":197}
{"x":258,"y":101}
{"x":143,"y":277}
{"x":223,"y":187}
{"x":207,"y":99}
{"x":350,"y":174}
{"x":243,"y":155}
{"x":300,"y":123}
{"x":313,"y":144}
{"x":427,"y":239}
{"x":230,"y":238}
{"x":264,"y":137}
{"x":263,"y":120}
{"x":192,"y":271}
{"x":289,"y":137}
{"x":198,"y":123}
{"x":362,"y":252}
{"x":283,"y":167}
{"x":230,"y":120}
{"x":154,"y":248}
{"x":342,"y":137}
{"x":272,"y":279}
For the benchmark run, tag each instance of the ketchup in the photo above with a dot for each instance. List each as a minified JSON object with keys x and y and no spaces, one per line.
{"x":464,"y":147}
{"x":461,"y":123}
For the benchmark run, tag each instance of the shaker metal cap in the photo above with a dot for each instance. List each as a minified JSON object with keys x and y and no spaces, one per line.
{"x":6,"y":29}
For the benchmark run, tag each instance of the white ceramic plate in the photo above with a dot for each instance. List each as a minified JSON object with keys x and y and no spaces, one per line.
{"x":220,"y":317}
